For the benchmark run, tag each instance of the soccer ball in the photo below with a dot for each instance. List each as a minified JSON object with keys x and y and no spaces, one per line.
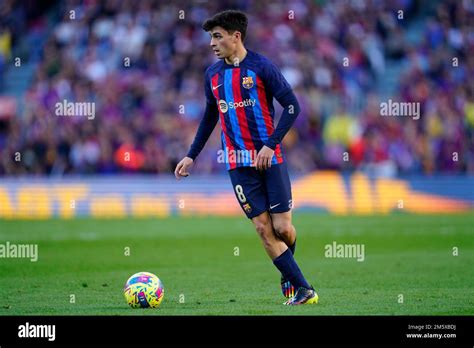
{"x":144,"y":290}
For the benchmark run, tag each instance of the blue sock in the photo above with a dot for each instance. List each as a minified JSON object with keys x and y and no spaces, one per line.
{"x":292,"y":247}
{"x":290,"y":270}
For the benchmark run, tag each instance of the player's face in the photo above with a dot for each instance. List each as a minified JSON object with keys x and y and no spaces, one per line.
{"x":222,"y":42}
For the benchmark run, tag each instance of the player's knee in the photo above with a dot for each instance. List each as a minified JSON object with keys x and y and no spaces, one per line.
{"x":263,"y":228}
{"x":284,"y":229}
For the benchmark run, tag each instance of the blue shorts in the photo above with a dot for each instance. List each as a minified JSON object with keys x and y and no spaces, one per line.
{"x":260,"y":191}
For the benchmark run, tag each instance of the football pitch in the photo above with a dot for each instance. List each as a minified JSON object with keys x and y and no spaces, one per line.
{"x":412,"y":265}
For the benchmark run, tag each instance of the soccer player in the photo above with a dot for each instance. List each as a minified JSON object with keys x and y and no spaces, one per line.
{"x":239,"y":91}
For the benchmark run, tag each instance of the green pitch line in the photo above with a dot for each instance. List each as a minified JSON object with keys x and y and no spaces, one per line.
{"x":196,"y":259}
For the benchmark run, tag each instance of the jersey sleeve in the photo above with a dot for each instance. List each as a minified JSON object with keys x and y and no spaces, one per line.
{"x":274,"y":80}
{"x":208,"y":121}
{"x":210,"y":99}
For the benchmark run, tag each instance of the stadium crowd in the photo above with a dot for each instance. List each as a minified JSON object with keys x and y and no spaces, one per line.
{"x":142,"y":64}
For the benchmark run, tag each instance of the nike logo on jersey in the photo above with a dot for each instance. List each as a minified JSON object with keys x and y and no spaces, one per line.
{"x":274,"y":206}
{"x":214,"y":88}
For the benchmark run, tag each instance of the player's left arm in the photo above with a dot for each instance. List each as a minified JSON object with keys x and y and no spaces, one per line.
{"x":281,"y":90}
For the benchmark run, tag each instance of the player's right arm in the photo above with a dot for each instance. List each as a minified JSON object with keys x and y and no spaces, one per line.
{"x":207,"y":125}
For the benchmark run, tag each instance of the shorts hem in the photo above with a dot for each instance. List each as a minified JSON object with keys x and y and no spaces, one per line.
{"x":252,"y":215}
{"x":278,"y":211}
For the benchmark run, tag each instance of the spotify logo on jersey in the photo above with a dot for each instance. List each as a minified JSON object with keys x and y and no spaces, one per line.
{"x":224,"y":106}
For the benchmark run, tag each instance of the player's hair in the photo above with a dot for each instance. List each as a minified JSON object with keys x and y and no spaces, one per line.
{"x":230,"y":20}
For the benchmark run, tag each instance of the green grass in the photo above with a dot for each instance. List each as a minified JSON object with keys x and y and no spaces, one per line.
{"x":404,"y":254}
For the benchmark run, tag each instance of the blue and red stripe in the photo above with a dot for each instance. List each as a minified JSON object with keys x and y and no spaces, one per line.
{"x":240,"y":136}
{"x":226,"y":130}
{"x":241,"y":111}
{"x":255,"y":121}
{"x":262,"y":101}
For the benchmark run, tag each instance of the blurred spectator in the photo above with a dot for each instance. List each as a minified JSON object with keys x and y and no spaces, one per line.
{"x":142,"y":65}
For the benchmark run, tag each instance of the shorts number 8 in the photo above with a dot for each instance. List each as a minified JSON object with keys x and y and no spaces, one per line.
{"x":240,"y":193}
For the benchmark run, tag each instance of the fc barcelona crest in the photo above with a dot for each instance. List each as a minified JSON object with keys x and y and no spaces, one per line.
{"x":247,"y":82}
